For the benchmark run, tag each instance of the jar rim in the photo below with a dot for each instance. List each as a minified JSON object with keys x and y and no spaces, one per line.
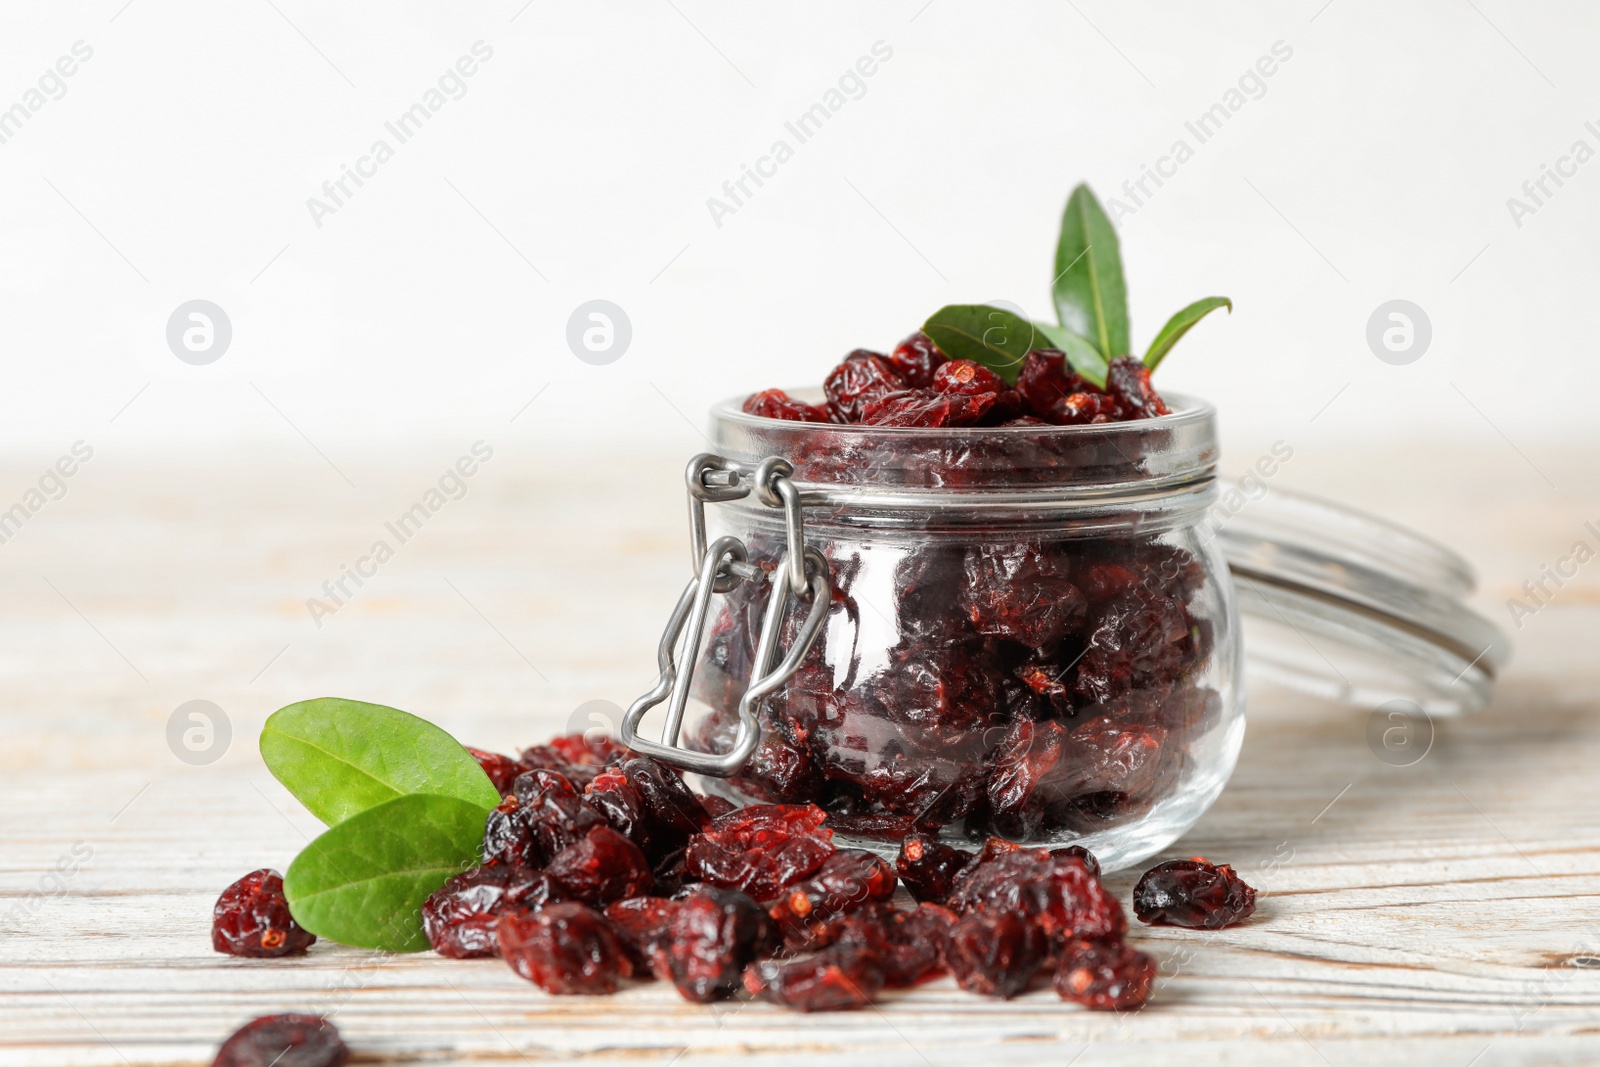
{"x":1185,"y":410}
{"x":1104,"y":476}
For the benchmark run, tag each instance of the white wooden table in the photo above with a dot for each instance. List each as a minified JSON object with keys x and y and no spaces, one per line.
{"x":1447,"y":912}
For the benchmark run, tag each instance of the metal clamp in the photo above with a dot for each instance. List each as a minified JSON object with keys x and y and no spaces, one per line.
{"x":720,"y":567}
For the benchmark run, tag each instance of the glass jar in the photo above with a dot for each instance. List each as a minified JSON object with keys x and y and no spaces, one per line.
{"x":1026,"y":634}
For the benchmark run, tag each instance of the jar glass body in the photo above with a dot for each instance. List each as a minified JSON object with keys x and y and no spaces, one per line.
{"x":1030,"y":635}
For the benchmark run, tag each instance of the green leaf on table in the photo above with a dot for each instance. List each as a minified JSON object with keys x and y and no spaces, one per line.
{"x":1091,"y":299}
{"x":1179,"y":325}
{"x":363,"y":882}
{"x":992,"y":336}
{"x":1082,"y":356}
{"x":341,"y":757}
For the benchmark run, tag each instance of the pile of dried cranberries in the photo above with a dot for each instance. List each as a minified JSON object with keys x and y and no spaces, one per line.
{"x":601,"y":866}
{"x":915,"y":385}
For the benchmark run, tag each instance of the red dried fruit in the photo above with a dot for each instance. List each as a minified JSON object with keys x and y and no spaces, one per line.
{"x":908,"y":946}
{"x":1086,"y":408}
{"x":776,"y":404}
{"x":1022,"y":592}
{"x":995,"y":953}
{"x":1193,"y":893}
{"x":576,"y":757}
{"x":564,"y":948}
{"x":543,"y":815}
{"x":712,"y":936}
{"x":850,"y":878}
{"x":673,"y":809}
{"x":502,"y":770}
{"x":1104,"y":975}
{"x":716,"y":806}
{"x":1138,"y":641}
{"x":642,"y":924}
{"x":600,"y":867}
{"x":460,"y":917}
{"x":916,"y":359}
{"x":1059,"y":893}
{"x":760,"y":849}
{"x":1045,"y":380}
{"x":1129,"y":381}
{"x":927,"y":408}
{"x":963,"y":377}
{"x":860,"y":378}
{"x":928,"y":867}
{"x":284,"y":1041}
{"x":251,"y":918}
{"x":836,"y":979}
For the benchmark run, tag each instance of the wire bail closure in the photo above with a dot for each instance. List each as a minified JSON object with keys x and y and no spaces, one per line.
{"x":721,"y":566}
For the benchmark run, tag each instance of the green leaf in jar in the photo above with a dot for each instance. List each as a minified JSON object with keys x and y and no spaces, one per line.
{"x":363,"y":882}
{"x":1179,"y":325}
{"x":1083,"y":357}
{"x":1091,"y":299}
{"x":992,"y":336}
{"x":341,"y":757}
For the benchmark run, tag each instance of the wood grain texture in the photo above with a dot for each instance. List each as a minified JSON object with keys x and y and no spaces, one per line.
{"x":1447,"y":912}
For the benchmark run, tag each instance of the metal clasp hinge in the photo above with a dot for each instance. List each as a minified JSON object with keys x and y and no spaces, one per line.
{"x":801,"y":573}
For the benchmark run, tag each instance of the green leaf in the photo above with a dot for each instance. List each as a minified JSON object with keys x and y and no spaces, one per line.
{"x":992,"y":336}
{"x":1179,"y":325}
{"x":1091,"y":299}
{"x":341,"y":757}
{"x":1084,"y":357}
{"x":363,"y":882}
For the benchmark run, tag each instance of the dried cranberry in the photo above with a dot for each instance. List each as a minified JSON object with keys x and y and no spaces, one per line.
{"x":995,"y":953}
{"x":502,"y":770}
{"x":1129,"y":381}
{"x":1193,"y":893}
{"x":564,"y":948}
{"x":916,"y":359}
{"x":600,"y":867}
{"x":284,"y":1041}
{"x":1021,"y":592}
{"x":1087,"y":408}
{"x":712,"y":936}
{"x":1081,"y":854}
{"x":907,"y":945}
{"x":927,"y":408}
{"x":643,"y":925}
{"x":836,"y":979}
{"x":760,"y":849}
{"x":673,"y":809}
{"x":716,"y":806}
{"x":543,"y":815}
{"x":928,"y":867}
{"x":862,"y":377}
{"x":850,"y":878}
{"x":1060,"y":893}
{"x":1045,"y":380}
{"x":619,"y":803}
{"x":1025,"y":787}
{"x":776,"y":404}
{"x":576,"y":757}
{"x":1139,"y":640}
{"x":1104,"y":975}
{"x":963,"y":377}
{"x":252,"y":918}
{"x":460,"y":917}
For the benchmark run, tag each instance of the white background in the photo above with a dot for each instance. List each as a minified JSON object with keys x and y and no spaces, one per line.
{"x":178,"y":164}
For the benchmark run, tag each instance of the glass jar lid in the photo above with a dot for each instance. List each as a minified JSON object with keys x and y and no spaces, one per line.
{"x":1348,"y":606}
